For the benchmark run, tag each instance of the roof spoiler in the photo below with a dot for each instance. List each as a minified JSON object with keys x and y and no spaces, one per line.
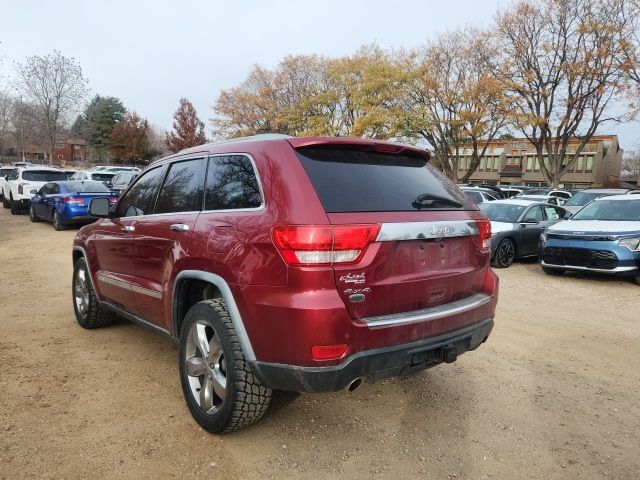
{"x":360,"y":144}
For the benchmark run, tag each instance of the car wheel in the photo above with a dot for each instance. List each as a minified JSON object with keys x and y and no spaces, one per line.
{"x":89,"y":312}
{"x":505,"y":253}
{"x":14,"y":206}
{"x":638,"y":279}
{"x":32,"y":214}
{"x":57,"y":222}
{"x":553,"y":271}
{"x":5,"y":202}
{"x":219,"y":387}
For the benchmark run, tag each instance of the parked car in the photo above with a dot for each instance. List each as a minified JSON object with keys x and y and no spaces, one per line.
{"x":69,"y":173}
{"x":603,"y":237}
{"x":552,"y":200}
{"x":516,"y":226}
{"x":99,"y":176}
{"x":66,"y":202}
{"x":300,"y":264}
{"x":581,"y":198}
{"x":20,"y":182}
{"x":4,"y":173}
{"x":477,"y":195}
{"x":121,"y":181}
{"x":510,"y":192}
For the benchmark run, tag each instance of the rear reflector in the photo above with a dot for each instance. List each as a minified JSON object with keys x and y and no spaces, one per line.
{"x":328,"y":352}
{"x":484,"y":235}
{"x":323,"y":244}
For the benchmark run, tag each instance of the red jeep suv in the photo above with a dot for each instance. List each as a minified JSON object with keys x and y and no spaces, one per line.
{"x":299,"y":264}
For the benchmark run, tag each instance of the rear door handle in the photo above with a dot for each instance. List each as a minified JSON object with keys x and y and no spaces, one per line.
{"x":128,"y":228}
{"x":179,"y":227}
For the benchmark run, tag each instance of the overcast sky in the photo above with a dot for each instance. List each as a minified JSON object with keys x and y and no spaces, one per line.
{"x":151,"y":53}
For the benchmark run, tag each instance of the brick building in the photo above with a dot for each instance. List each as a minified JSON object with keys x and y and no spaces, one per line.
{"x":69,"y":150}
{"x":513,"y":161}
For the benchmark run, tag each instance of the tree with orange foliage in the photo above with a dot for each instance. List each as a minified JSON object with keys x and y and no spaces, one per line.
{"x":188,"y":129}
{"x":130,"y":139}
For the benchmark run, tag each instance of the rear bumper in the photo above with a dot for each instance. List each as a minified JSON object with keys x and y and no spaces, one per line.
{"x":373,"y":365}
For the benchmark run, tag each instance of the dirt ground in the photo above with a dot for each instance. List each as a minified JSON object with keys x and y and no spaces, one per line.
{"x":554,"y":393}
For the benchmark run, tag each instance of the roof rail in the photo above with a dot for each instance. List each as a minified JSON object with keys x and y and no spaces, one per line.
{"x":251,"y":138}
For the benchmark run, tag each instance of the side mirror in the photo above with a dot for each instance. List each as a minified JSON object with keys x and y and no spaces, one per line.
{"x":567,"y":216}
{"x":33,"y":191}
{"x":99,"y":207}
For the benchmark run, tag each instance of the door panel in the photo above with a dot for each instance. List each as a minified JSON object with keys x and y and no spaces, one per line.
{"x":114,"y":254}
{"x":157,"y":249}
{"x":530,"y":232}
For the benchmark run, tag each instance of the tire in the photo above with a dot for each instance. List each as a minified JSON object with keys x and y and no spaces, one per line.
{"x":89,"y":313}
{"x":505,"y":254}
{"x":555,"y":272}
{"x":5,"y":202}
{"x":32,"y":214}
{"x":57,"y":222}
{"x":637,"y":279}
{"x":15,"y":207}
{"x":245,"y":399}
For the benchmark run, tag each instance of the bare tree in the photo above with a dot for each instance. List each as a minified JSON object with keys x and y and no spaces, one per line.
{"x":451,"y":100}
{"x":561,"y":64}
{"x":631,"y":163}
{"x":6,"y":109}
{"x":54,"y":84}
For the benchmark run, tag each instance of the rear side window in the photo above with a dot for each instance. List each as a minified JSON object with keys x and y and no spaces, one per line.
{"x":182,"y":189}
{"x":43,"y":175}
{"x":350,"y":180}
{"x":140,"y":198}
{"x":231,"y":184}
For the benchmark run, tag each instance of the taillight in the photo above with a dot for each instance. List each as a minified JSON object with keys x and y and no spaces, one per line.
{"x":113,"y":200}
{"x":323,"y":244}
{"x":75,"y":200}
{"x":484,"y":235}
{"x":21,"y":188}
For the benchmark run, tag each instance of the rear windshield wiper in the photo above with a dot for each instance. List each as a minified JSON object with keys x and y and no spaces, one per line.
{"x":427,"y":200}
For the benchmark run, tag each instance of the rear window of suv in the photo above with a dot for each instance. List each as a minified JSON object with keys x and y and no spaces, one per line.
{"x":43,"y":175}
{"x":350,"y":180}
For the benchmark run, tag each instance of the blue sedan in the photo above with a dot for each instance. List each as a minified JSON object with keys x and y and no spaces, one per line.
{"x":603,"y":237}
{"x":67,"y":202}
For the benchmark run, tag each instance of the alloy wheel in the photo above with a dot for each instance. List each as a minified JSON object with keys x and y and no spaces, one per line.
{"x":506,"y":253}
{"x":206,"y":367}
{"x":81,"y":292}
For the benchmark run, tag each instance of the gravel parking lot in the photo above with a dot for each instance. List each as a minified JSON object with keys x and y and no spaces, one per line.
{"x":554,"y":393}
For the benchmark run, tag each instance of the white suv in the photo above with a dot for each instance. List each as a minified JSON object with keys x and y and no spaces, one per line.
{"x":5,"y":171}
{"x":16,"y":193}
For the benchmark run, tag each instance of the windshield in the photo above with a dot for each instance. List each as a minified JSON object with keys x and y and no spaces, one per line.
{"x":102,"y":176}
{"x":353,"y":180}
{"x":502,"y":212}
{"x":82,"y":187}
{"x":611,"y":210}
{"x":582,"y":198}
{"x":43,"y":175}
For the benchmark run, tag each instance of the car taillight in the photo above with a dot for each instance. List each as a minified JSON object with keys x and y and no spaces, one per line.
{"x":323,"y":244}
{"x":76,"y":200}
{"x":21,"y":188}
{"x":484,"y":235}
{"x":113,"y":200}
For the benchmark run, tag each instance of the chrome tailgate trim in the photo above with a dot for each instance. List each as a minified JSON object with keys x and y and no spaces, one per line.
{"x":424,"y":230}
{"x":426,"y":314}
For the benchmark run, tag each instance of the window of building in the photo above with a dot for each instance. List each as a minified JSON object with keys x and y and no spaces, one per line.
{"x":496,"y":162}
{"x":580,"y":164}
{"x":183,"y":187}
{"x":483,"y":163}
{"x":537,"y":166}
{"x":231,"y":184}
{"x":589,"y":164}
{"x":489,"y":166}
{"x":529,"y":163}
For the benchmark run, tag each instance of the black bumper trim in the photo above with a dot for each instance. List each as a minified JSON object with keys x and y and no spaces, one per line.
{"x":374,"y":365}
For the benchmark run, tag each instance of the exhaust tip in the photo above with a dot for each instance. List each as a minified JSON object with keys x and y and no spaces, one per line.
{"x":354,"y":384}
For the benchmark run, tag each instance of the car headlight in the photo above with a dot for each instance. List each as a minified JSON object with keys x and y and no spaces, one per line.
{"x":632,"y":244}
